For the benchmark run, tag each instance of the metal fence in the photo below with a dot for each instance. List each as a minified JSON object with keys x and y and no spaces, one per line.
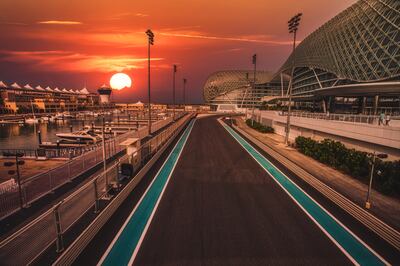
{"x":39,"y":185}
{"x":367,"y":119}
{"x":50,"y":153}
{"x":24,"y":246}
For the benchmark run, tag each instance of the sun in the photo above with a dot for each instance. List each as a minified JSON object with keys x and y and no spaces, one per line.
{"x":120,"y":80}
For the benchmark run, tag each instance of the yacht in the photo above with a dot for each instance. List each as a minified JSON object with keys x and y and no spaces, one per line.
{"x":82,"y":136}
{"x":32,"y":120}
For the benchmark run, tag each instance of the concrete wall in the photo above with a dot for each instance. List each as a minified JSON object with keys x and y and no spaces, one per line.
{"x":360,"y":136}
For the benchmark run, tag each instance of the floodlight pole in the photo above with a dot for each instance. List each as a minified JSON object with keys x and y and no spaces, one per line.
{"x":21,"y":202}
{"x":184,"y":94}
{"x":254,"y":88}
{"x":150,"y":36}
{"x":173,"y":92}
{"x":293,"y":27}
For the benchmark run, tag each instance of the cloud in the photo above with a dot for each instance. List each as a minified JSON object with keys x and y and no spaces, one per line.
{"x":74,"y":62}
{"x":253,"y":39}
{"x":60,"y":22}
{"x":141,"y":15}
{"x":11,"y":23}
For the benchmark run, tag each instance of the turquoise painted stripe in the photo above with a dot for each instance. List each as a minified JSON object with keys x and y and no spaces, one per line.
{"x":356,"y":249}
{"x":125,"y":245}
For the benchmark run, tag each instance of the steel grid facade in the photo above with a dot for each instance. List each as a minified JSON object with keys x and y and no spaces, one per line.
{"x":359,"y":45}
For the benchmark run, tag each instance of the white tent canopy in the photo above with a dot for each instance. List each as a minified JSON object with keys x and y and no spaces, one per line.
{"x":39,"y":88}
{"x":57,"y":89}
{"x":28,"y":87}
{"x":64,"y":90}
{"x":2,"y":84}
{"x":15,"y":86}
{"x":48,"y":89}
{"x":84,"y":91}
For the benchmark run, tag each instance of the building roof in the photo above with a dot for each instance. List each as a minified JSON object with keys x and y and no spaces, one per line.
{"x":15,"y":86}
{"x":222,"y":82}
{"x":2,"y":84}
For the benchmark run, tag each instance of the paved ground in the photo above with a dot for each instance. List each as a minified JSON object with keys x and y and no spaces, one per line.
{"x":385,"y":207}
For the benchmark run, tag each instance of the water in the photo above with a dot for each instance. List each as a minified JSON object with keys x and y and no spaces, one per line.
{"x":14,"y":136}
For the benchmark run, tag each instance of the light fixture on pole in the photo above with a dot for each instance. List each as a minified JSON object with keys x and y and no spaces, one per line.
{"x":254,"y":88}
{"x":293,"y":25}
{"x":184,"y":94}
{"x":150,"y":36}
{"x":173,"y":92}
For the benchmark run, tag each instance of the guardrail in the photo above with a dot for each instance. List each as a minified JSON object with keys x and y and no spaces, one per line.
{"x":41,"y":184}
{"x":366,"y":119}
{"x":28,"y":243}
{"x":50,"y":153}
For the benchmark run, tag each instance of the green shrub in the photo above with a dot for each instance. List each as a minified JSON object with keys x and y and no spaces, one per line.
{"x":352,"y":162}
{"x":259,"y":127}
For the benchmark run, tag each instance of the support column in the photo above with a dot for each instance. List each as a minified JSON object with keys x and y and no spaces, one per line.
{"x":331,"y":104}
{"x":323,"y":103}
{"x":363,"y":105}
{"x":376,"y":103}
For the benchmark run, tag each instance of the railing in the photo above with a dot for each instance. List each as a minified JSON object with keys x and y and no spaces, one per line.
{"x":368,"y":119}
{"x":50,"y":153}
{"x":40,"y":185}
{"x":24,"y":246}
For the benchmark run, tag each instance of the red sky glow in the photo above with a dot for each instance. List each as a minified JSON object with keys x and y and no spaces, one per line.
{"x":71,"y":43}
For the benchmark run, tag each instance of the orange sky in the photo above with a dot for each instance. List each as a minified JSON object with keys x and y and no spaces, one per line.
{"x":70,"y":43}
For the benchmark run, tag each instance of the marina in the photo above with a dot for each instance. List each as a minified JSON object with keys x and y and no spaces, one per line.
{"x":45,"y":133}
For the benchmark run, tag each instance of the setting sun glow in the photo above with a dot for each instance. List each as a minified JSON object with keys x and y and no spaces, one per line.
{"x":120,"y":80}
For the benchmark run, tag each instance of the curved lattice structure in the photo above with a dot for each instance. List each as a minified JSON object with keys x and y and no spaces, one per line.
{"x":224,"y":82}
{"x":355,"y":55}
{"x":362,"y":43}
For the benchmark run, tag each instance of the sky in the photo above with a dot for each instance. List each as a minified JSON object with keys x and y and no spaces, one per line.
{"x":76,"y":43}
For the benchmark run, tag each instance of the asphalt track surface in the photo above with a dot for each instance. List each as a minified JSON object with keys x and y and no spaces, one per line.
{"x":221,"y":208}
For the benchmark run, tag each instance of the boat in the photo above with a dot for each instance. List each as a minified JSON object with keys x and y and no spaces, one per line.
{"x":67,"y":115}
{"x":31,"y":121}
{"x":82,"y":136}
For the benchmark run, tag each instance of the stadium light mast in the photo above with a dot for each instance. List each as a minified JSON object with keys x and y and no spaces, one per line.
{"x":184,"y":94}
{"x":150,"y":36}
{"x":293,"y":25}
{"x":254,"y":88}
{"x":173,"y":92}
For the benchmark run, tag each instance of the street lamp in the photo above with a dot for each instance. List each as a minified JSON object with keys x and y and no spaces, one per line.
{"x":150,"y":36}
{"x":293,"y":25}
{"x":184,"y":94}
{"x":11,"y":172}
{"x":373,"y":162}
{"x":254,"y":87}
{"x":173,"y":92}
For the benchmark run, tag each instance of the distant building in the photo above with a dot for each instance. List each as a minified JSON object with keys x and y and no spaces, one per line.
{"x":105,"y":93}
{"x":17,"y":99}
{"x":351,"y":64}
{"x":139,"y":106}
